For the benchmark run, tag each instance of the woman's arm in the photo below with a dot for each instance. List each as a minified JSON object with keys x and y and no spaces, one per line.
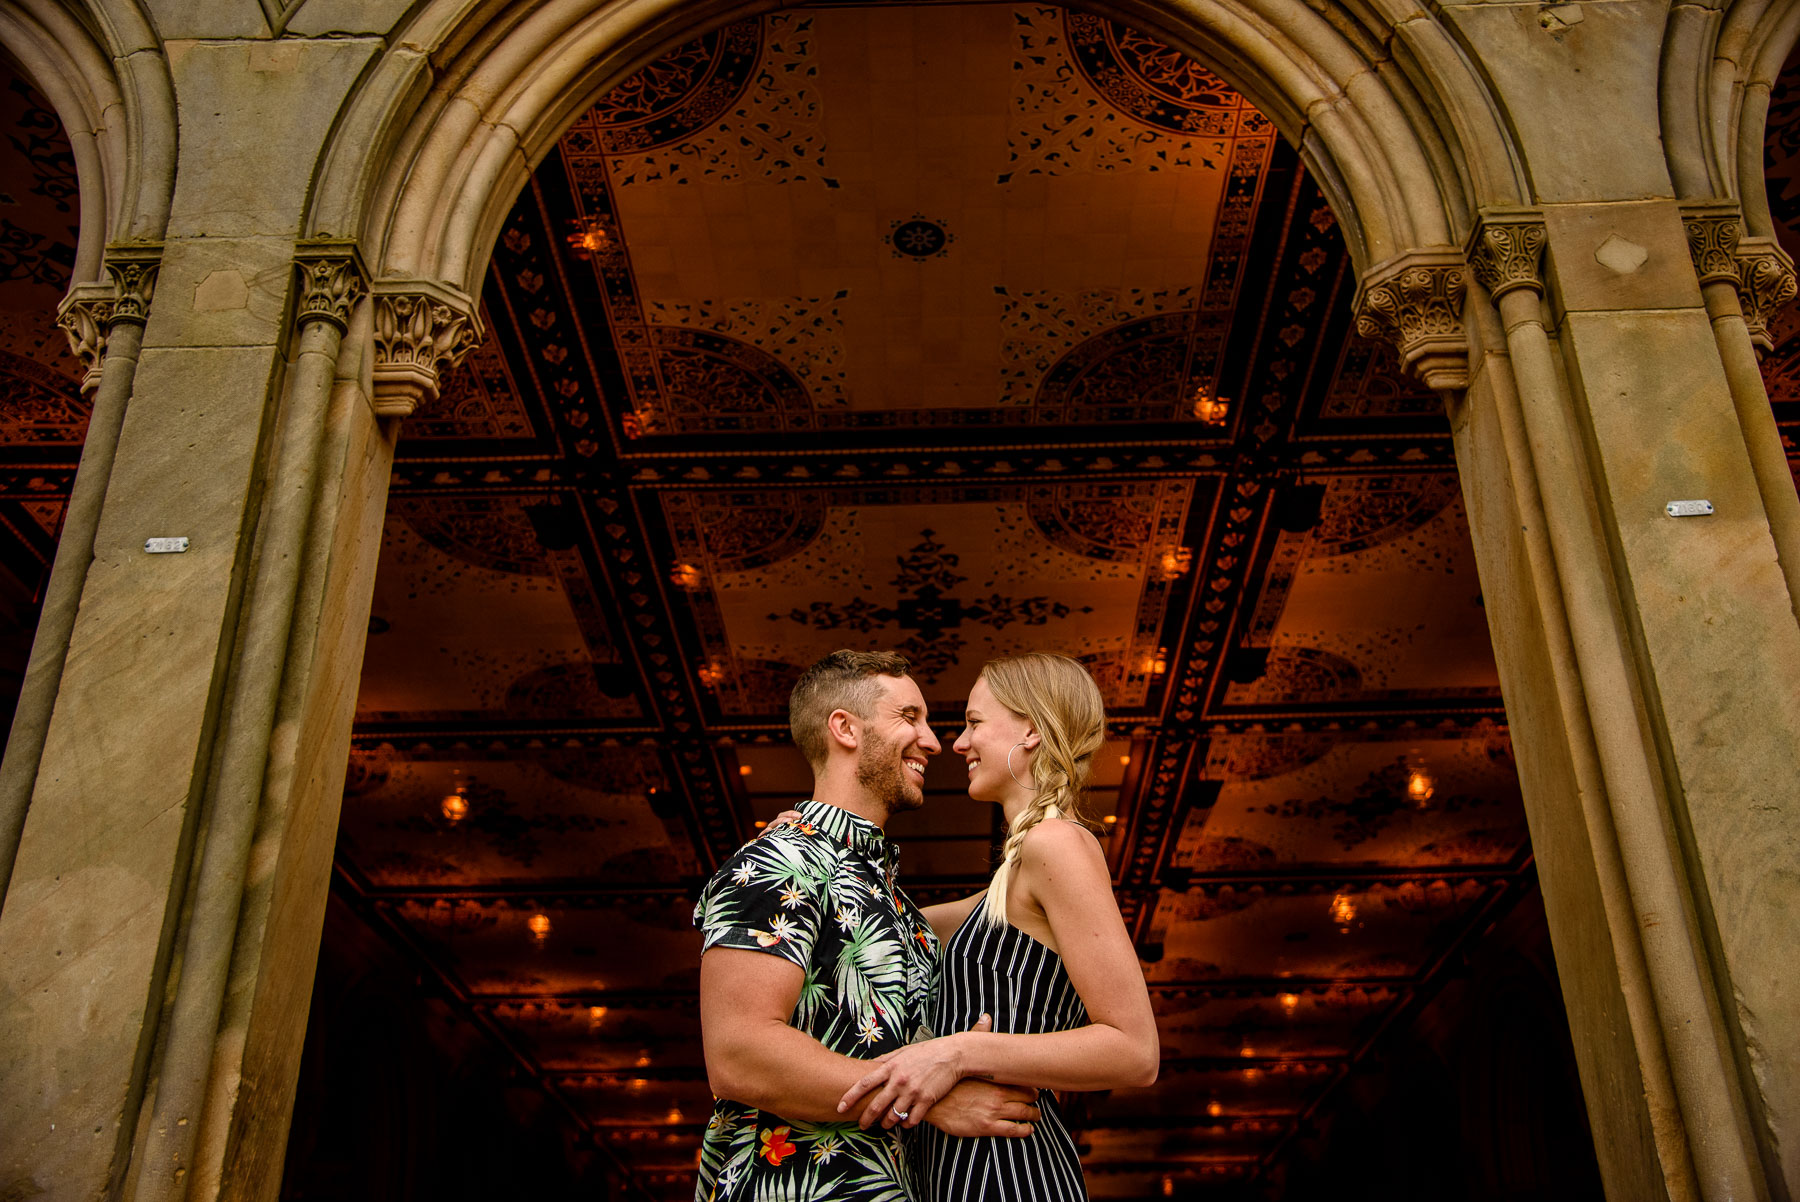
{"x":1062,"y":873}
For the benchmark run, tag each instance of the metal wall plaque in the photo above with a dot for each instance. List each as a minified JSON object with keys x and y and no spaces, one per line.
{"x":1688,"y":509}
{"x":166,"y":546}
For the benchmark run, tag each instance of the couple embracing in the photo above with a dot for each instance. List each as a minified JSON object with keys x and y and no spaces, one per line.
{"x":864,"y":1048}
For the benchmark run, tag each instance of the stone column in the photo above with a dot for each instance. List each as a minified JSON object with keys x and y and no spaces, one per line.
{"x":160,"y":928}
{"x":105,"y":325}
{"x":1648,"y":663}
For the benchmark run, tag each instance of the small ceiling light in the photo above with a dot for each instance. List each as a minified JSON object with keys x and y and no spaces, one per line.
{"x":674,"y":1115}
{"x":1420,"y":786}
{"x":1111,"y":820}
{"x":744,"y":770}
{"x":1168,"y":1187}
{"x":1215,"y":1109}
{"x":712,"y":674}
{"x":1247,"y":1052}
{"x":1343,"y":911}
{"x":455,"y":807}
{"x":539,"y":925}
{"x":1124,"y":761}
{"x":643,"y":1060}
{"x":1175,"y":562}
{"x":1290,"y":1002}
{"x":596,"y":1015}
{"x":589,"y":237}
{"x":688,"y":577}
{"x":760,"y":824}
{"x":1211,"y":410}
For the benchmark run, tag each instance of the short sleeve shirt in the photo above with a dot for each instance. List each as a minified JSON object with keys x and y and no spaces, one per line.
{"x":823,"y":894}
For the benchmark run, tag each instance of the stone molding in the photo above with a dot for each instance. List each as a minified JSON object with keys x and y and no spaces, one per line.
{"x":1765,"y":282}
{"x":332,"y":280}
{"x":1713,"y":231}
{"x":1756,"y":266}
{"x":423,"y":329}
{"x":86,"y":316}
{"x":1506,"y":251}
{"x":1415,"y":301}
{"x":133,"y":270}
{"x":88,"y":313}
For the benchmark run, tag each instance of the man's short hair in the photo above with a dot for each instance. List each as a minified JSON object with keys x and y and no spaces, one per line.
{"x":843,"y":680}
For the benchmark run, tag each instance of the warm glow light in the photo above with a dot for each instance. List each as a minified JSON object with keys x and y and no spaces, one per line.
{"x":539,"y":924}
{"x":760,"y":824}
{"x":1247,"y":1052}
{"x":1111,"y":820}
{"x":1210,"y":409}
{"x":1214,"y":1109}
{"x":1168,"y":1187}
{"x":1290,"y":1002}
{"x":687,"y":576}
{"x":1420,"y":787}
{"x":1157,"y":664}
{"x":1124,"y":761}
{"x":588,"y":238}
{"x":1175,"y":563}
{"x":712,"y":673}
{"x":596,"y":1013}
{"x":643,"y":1060}
{"x":674,"y":1115}
{"x":744,"y":770}
{"x":1343,"y":911}
{"x":638,"y":1083}
{"x":455,"y":807}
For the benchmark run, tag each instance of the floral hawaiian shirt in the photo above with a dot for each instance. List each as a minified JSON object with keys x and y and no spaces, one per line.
{"x":821,"y":893}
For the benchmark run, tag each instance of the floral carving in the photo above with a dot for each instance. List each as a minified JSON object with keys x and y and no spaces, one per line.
{"x":1506,"y":250}
{"x":1416,"y":302}
{"x":1765,"y":283}
{"x":1712,"y":237}
{"x":332,"y":280}
{"x":422,"y":330}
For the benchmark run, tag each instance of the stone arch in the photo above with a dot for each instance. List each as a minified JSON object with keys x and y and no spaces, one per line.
{"x":1399,"y":129}
{"x":111,"y":90}
{"x":1719,"y":64}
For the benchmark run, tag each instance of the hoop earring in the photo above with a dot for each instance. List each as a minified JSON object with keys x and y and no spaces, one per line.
{"x":1009,"y":767}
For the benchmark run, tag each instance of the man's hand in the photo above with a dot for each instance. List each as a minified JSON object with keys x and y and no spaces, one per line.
{"x":976,"y":1108}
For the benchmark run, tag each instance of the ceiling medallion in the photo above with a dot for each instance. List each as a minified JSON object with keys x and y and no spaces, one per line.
{"x":918,"y":237}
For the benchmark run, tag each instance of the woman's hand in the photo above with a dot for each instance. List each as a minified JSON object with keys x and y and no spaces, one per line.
{"x":907,"y":1082}
{"x":785,"y":818}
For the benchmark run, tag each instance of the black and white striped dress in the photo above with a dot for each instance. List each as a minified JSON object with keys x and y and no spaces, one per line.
{"x":1002,"y":971}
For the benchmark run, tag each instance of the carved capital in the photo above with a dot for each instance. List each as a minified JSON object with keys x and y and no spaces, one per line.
{"x":85,"y":315}
{"x":332,"y":280}
{"x":1765,"y":280}
{"x":422,"y":330}
{"x":1506,"y":251}
{"x":133,"y":269}
{"x":1415,"y":301}
{"x":1713,"y":230}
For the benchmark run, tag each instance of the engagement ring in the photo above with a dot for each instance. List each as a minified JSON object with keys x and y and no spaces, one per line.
{"x":899,"y":1114}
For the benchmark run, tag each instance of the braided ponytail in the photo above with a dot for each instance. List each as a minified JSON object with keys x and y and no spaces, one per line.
{"x":1058,"y":697}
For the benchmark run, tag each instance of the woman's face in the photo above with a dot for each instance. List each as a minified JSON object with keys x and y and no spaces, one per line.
{"x":989,"y":734}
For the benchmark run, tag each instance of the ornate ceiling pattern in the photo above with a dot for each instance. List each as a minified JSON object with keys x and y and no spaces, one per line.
{"x":954,"y":328}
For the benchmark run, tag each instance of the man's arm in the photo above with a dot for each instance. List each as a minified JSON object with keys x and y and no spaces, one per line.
{"x":752,"y":1055}
{"x":975,"y":1107}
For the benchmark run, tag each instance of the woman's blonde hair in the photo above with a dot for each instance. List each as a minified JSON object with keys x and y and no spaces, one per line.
{"x":1058,"y":697}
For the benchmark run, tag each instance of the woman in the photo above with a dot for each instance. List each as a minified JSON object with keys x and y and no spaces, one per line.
{"x":1043,"y":950}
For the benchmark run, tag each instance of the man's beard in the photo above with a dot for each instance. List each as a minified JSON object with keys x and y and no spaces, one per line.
{"x":883,"y":776}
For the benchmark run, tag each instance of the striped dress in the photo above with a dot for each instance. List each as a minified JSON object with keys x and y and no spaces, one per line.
{"x":1005,"y":972}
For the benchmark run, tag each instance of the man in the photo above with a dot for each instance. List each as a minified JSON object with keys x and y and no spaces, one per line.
{"x":814,"y":962}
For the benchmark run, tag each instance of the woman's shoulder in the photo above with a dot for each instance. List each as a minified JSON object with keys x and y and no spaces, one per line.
{"x":1059,"y":839}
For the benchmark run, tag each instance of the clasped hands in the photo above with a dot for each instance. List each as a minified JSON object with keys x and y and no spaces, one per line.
{"x":927,"y":1079}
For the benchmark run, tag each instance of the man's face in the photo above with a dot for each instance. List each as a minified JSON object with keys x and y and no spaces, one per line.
{"x":895,"y":743}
